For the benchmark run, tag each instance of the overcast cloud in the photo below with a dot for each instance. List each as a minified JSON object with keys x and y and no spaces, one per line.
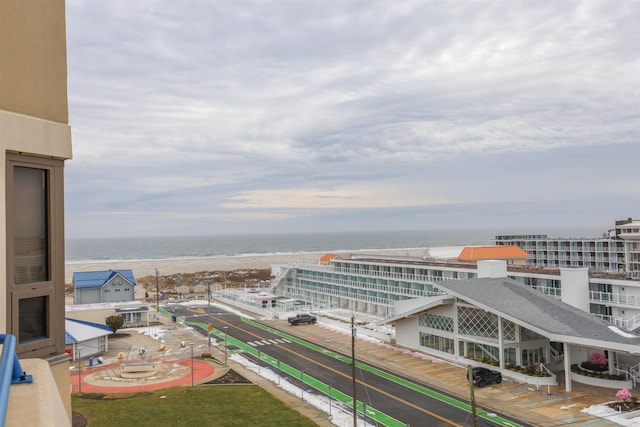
{"x":212,"y":117}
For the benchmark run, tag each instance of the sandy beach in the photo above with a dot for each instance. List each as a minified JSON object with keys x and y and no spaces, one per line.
{"x":166,"y":267}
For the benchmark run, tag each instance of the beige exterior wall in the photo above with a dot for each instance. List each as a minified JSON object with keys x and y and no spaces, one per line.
{"x":60,"y":371}
{"x":98,"y":315}
{"x":33,"y":85}
{"x":34,"y":121}
{"x":33,"y":48}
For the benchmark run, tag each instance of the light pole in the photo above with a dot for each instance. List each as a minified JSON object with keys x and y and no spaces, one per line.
{"x":225,"y":345}
{"x":157,"y":294}
{"x":209,"y":314}
{"x":79,"y":373}
{"x":353,"y":370}
{"x":192,"y":387}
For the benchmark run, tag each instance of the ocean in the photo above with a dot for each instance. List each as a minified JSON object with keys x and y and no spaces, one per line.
{"x":88,"y":250}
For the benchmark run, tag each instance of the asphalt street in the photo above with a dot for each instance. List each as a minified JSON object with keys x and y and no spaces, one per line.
{"x":387,"y":394}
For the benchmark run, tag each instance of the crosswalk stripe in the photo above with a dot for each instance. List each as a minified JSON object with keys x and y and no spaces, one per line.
{"x":269,"y":342}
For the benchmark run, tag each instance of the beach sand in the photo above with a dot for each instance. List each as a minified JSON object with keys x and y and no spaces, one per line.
{"x":166,"y":267}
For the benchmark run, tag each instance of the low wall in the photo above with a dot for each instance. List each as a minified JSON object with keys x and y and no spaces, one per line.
{"x":247,"y":307}
{"x":361,"y":330}
{"x":602,"y":382}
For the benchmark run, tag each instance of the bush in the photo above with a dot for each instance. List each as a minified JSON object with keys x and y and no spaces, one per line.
{"x":598,"y":359}
{"x":579,"y":369}
{"x":597,"y":367}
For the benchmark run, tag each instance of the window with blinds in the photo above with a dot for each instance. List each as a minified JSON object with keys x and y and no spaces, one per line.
{"x":35,"y":254}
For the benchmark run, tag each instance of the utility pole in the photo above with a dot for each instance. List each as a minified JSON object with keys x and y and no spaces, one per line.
{"x":157,"y":294}
{"x":353,"y":370}
{"x":474,"y":415}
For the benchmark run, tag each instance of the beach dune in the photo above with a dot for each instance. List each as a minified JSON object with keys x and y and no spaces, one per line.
{"x":194,"y":265}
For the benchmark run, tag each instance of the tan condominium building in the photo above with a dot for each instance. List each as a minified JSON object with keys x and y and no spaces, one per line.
{"x":35,"y":141}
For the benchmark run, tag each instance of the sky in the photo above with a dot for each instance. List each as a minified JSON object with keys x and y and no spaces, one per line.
{"x":272,"y":116}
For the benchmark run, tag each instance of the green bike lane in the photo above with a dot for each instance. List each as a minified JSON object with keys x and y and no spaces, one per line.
{"x":323,"y":388}
{"x":389,"y":376}
{"x":346,"y":399}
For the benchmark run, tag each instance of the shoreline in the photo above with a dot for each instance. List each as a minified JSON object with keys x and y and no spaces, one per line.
{"x":193,"y":265}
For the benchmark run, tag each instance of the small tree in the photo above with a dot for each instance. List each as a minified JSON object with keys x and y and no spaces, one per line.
{"x":115,"y":322}
{"x":624,"y":395}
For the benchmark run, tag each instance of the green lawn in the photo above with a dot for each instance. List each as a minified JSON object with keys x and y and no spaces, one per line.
{"x":231,"y":405}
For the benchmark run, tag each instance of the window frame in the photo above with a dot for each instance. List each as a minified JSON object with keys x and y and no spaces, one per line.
{"x":53,"y":287}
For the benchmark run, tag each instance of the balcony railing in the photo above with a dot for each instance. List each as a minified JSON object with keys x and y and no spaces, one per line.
{"x":628,"y":324}
{"x":10,"y":372}
{"x":611,"y":298}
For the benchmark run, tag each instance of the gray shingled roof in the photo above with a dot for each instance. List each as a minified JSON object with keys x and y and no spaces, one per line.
{"x":541,"y":313}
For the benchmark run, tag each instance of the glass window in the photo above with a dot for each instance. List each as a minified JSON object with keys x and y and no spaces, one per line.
{"x":30,"y":215}
{"x":35,"y":254}
{"x":478,"y":351}
{"x":477,"y":323}
{"x":33,"y":319}
{"x":435,"y":321}
{"x":528,"y":335}
{"x":436,"y":342}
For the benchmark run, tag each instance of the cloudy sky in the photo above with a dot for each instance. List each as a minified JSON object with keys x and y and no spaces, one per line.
{"x":225,"y":117}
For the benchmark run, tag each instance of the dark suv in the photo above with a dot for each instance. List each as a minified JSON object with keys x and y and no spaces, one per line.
{"x":484,"y":376}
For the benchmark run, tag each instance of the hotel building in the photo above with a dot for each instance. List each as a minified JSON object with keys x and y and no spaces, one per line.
{"x":617,"y":251}
{"x":416,"y":294}
{"x":35,"y":141}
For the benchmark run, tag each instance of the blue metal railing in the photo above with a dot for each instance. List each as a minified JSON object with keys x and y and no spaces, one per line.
{"x":10,"y":372}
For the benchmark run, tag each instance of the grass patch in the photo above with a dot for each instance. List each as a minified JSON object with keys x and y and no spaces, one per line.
{"x":206,"y":405}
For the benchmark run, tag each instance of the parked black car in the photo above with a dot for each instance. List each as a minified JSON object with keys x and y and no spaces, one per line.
{"x":301,"y":318}
{"x":484,"y":376}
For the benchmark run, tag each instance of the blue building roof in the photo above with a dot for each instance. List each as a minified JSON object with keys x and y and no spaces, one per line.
{"x":96,"y":279}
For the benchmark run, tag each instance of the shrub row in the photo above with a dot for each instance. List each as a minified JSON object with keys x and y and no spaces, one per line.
{"x":575,"y":368}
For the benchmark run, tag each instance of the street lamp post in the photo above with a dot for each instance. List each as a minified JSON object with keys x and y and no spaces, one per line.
{"x":353,"y":370}
{"x":79,"y":373}
{"x":157,"y":294}
{"x":209,"y":313}
{"x":192,"y":382}
{"x":225,"y":345}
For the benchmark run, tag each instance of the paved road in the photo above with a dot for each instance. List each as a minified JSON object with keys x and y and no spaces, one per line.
{"x":378,"y":389}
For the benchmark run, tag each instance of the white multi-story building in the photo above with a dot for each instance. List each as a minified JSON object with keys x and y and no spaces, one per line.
{"x":400,"y":290}
{"x":616,"y":251}
{"x":629,"y":231}
{"x":373,"y":284}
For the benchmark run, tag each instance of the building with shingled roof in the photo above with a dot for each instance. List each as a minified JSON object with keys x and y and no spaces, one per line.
{"x":90,"y":287}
